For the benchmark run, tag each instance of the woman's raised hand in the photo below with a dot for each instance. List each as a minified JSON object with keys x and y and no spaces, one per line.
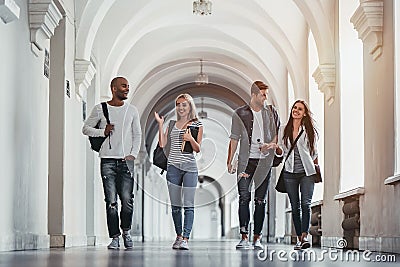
{"x":158,"y":118}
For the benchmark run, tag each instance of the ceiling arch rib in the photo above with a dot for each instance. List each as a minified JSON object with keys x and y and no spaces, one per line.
{"x":211,"y":68}
{"x":254,"y":18}
{"x":176,"y":77}
{"x":254,"y":23}
{"x":325,"y":74}
{"x":246,"y":61}
{"x":248,"y":65}
{"x":219,"y":73}
{"x":320,"y":27}
{"x":90,"y":22}
{"x":240,"y":57}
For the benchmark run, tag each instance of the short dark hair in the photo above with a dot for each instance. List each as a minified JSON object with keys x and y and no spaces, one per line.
{"x":257,"y":86}
{"x":114,"y":81}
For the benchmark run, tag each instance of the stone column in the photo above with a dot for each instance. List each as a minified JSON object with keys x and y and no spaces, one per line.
{"x":331,"y":217}
{"x":379,"y":229}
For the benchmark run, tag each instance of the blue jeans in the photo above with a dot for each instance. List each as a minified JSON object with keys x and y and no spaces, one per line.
{"x":182,"y":184}
{"x":260,"y":174}
{"x":301,"y":203}
{"x":117,"y":180}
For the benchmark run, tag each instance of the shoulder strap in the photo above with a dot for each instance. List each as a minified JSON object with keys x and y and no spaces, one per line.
{"x":105,"y":111}
{"x":170,"y":125}
{"x":294,"y":144}
{"x":274,"y":117}
{"x":168,"y":146}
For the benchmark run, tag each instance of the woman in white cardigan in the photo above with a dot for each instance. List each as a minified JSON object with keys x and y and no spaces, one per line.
{"x":300,"y":167}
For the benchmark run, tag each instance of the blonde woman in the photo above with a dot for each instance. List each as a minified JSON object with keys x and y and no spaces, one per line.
{"x":182,"y":173}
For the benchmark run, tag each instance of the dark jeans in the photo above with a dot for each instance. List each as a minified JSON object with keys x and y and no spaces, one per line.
{"x":117,"y":180}
{"x":301,"y":203}
{"x":182,"y":184}
{"x":260,"y":174}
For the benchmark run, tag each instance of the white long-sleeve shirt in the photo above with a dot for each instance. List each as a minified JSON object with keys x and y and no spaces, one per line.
{"x":125,"y":138}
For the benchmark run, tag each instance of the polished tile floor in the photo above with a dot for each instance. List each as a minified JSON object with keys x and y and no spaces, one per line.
{"x":201,"y":254}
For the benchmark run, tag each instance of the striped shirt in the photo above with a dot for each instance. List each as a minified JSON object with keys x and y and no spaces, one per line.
{"x":182,"y":160}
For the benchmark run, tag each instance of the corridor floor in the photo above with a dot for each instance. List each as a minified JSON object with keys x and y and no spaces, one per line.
{"x":201,"y":254}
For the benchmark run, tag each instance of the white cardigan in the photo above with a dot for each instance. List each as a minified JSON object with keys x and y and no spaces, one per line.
{"x":307,"y":157}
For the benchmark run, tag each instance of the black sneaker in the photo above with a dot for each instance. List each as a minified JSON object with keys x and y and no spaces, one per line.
{"x":305,"y":244}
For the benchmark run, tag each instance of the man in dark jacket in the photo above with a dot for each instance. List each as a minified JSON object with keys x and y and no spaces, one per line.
{"x":256,"y":127}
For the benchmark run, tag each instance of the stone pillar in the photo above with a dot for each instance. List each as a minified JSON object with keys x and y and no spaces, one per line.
{"x":379,"y":229}
{"x":56,"y":139}
{"x":325,"y":76}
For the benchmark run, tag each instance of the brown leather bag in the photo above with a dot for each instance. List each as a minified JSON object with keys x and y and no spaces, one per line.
{"x":317,"y":175}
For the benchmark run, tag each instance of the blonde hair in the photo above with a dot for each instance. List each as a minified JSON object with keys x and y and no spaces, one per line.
{"x":192,"y":112}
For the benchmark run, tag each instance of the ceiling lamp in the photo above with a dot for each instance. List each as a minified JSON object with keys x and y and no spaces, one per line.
{"x":201,"y":78}
{"x":202,"y":7}
{"x":202,"y":113}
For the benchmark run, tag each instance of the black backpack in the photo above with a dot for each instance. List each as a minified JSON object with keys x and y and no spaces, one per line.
{"x":96,"y":142}
{"x":159,"y":155}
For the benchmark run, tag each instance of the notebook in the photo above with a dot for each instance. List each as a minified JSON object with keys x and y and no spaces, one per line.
{"x":186,"y":146}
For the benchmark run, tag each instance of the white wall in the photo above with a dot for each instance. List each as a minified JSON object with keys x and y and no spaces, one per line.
{"x":24,"y":139}
{"x":207,"y":222}
{"x":352,"y":100}
{"x":157,"y":210}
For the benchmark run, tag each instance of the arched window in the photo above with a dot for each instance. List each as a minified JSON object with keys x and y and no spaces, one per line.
{"x":351,"y":99}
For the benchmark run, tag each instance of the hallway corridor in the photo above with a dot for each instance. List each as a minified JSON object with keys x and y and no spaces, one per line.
{"x":58,"y":58}
{"x":201,"y":254}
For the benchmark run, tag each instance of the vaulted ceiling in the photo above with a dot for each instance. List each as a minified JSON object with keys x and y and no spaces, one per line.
{"x":157,"y":45}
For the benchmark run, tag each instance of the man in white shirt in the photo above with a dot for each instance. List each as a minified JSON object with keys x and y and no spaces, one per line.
{"x":117,"y":154}
{"x":256,"y":127}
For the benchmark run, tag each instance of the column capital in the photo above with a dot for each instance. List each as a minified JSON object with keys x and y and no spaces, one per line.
{"x":84,"y":73}
{"x":325,"y":77}
{"x":9,"y":10}
{"x":368,"y":21}
{"x":44,"y":17}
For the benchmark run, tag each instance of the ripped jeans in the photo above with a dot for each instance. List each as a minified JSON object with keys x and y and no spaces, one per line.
{"x":117,"y":180}
{"x":261,"y":175}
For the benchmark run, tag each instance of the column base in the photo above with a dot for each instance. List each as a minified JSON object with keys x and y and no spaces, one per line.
{"x":380,"y":244}
{"x":24,"y":241}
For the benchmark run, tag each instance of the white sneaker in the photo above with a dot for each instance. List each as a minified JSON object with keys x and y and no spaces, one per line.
{"x":184,"y":245}
{"x":243,"y":244}
{"x":114,"y":243}
{"x":128,"y":242}
{"x":177,"y":242}
{"x":297,"y":246}
{"x":257,"y":244}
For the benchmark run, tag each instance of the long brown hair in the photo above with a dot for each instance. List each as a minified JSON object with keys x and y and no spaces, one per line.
{"x":307,"y":121}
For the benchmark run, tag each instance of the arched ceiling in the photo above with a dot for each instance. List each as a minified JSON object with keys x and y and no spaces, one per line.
{"x":157,"y":44}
